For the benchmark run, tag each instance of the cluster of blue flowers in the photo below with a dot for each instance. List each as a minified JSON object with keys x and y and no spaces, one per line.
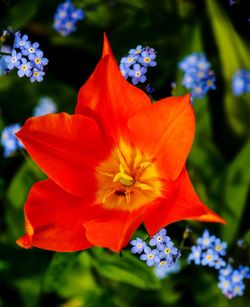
{"x":231,"y":280}
{"x":9,"y":141}
{"x":209,"y":251}
{"x":24,"y":56}
{"x":160,"y":254}
{"x":198,"y":77}
{"x":66,"y":17}
{"x":241,"y":82}
{"x":135,"y":65}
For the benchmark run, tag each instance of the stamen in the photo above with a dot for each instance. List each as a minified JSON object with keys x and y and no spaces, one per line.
{"x":107,"y":173}
{"x":140,"y":167}
{"x":107,"y":194}
{"x":124,"y":179}
{"x":127,"y":194}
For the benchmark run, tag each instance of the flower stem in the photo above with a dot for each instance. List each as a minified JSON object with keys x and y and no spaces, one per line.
{"x":4,"y":53}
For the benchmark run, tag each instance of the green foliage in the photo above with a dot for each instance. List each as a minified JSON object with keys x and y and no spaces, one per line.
{"x":125,"y":268}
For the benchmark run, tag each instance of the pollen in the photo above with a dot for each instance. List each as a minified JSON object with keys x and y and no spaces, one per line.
{"x":128,"y":179}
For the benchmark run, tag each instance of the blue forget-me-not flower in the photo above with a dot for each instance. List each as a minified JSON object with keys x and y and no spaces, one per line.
{"x":135,"y":64}
{"x":25,"y":57}
{"x":66,"y":17}
{"x":45,"y":105}
{"x":241,"y":82}
{"x":198,"y":76}
{"x":9,"y":141}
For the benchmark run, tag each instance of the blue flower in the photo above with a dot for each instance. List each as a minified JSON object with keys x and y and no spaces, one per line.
{"x":220,"y":247}
{"x":25,"y":57}
{"x":124,"y":70}
{"x":30,"y":48}
{"x":219,"y":263}
{"x":206,"y":241}
{"x":13,"y":60}
{"x":241,"y":82}
{"x":198,"y":77}
{"x":162,"y":271}
{"x":36,"y":75}
{"x":138,"y":74}
{"x":138,"y":246}
{"x":209,"y":258}
{"x":231,"y":281}
{"x":21,"y":42}
{"x":128,"y":60}
{"x":168,"y":251}
{"x":3,"y":62}
{"x":24,"y":69}
{"x":45,"y":105}
{"x":195,"y":255}
{"x":66,"y":17}
{"x":9,"y":141}
{"x":159,"y":238}
{"x":135,"y":65}
{"x":225,"y":272}
{"x":38,"y":59}
{"x":147,"y":58}
{"x":150,"y":256}
{"x":245,"y":271}
{"x":138,"y":50}
{"x":189,"y":79}
{"x":78,"y":14}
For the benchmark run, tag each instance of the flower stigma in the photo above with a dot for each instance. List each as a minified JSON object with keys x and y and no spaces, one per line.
{"x":128,"y":179}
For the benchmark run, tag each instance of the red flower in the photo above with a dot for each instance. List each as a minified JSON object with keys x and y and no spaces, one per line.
{"x":118,"y":162}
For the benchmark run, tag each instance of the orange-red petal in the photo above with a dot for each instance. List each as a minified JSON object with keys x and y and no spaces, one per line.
{"x":67,"y":148}
{"x":114,"y":229}
{"x":165,"y":131}
{"x":108,"y":96}
{"x":53,"y":219}
{"x":181,"y":204}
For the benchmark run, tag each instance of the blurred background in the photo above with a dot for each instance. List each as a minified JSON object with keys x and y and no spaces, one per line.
{"x":218,"y":163}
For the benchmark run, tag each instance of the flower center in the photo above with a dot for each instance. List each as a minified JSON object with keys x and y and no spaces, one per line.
{"x":127,"y":180}
{"x":37,"y":60}
{"x":167,"y":250}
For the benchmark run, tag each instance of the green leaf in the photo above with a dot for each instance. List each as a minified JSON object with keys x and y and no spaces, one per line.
{"x":17,"y":193}
{"x":234,"y":55}
{"x":234,"y":187}
{"x":21,"y":13}
{"x":126,"y":268}
{"x":69,"y":275}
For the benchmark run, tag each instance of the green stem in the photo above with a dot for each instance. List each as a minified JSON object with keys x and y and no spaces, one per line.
{"x":4,"y":53}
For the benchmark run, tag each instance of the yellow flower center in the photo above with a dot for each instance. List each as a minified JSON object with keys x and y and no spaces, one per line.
{"x":218,"y":248}
{"x":167,"y":250}
{"x":127,"y":180}
{"x":147,"y":59}
{"x":209,"y":257}
{"x":37,"y":60}
{"x":130,"y":60}
{"x":36,"y":73}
